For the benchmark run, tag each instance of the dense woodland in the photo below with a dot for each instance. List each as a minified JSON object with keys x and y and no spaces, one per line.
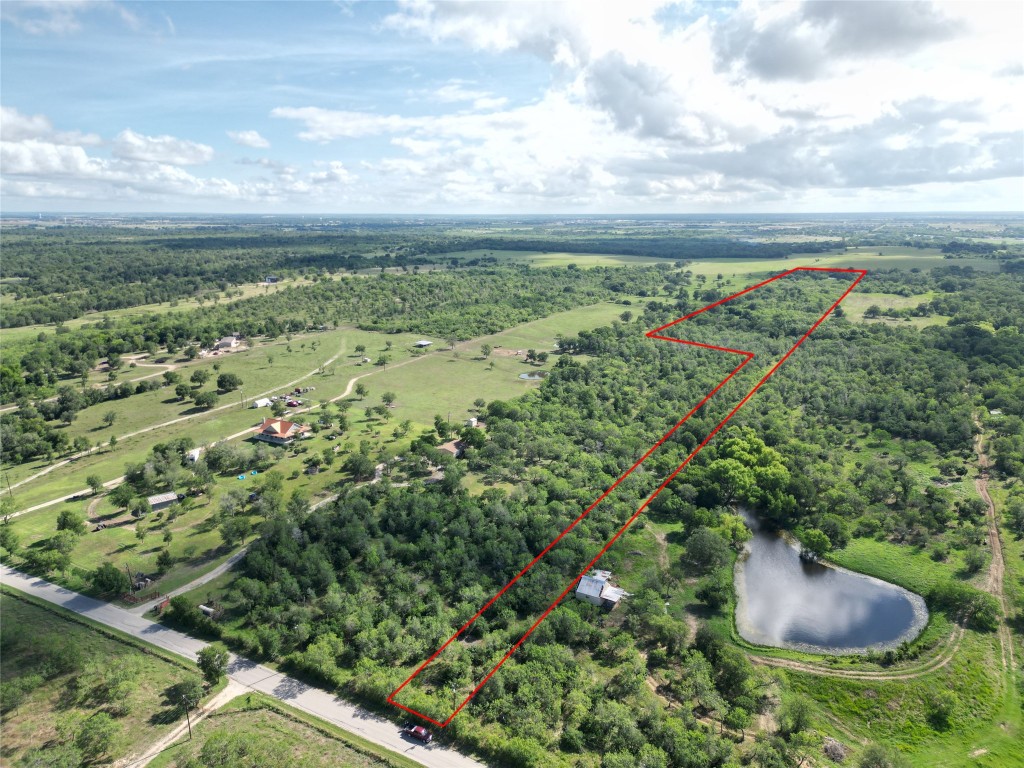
{"x":859,"y":436}
{"x":56,"y":274}
{"x":355,"y":594}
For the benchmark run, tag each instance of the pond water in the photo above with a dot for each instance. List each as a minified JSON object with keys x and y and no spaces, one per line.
{"x":533,"y":375}
{"x":788,"y":602}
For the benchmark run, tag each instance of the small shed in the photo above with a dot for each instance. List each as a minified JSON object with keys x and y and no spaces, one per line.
{"x":228,"y":342}
{"x":422,"y":343}
{"x":263,"y":402}
{"x":596,"y":589}
{"x":194,"y":454}
{"x":162,"y":501}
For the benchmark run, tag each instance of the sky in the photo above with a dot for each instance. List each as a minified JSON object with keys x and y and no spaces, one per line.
{"x":503,"y":108}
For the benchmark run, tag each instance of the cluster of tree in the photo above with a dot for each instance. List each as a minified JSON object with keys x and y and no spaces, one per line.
{"x":457,"y":304}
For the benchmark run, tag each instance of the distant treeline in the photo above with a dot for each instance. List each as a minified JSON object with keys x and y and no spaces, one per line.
{"x":56,"y":275}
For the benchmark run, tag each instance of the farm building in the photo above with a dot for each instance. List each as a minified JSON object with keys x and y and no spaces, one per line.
{"x":422,"y":343}
{"x":228,"y":342}
{"x":272,"y":279}
{"x":162,"y":501}
{"x":279,"y":431}
{"x":455,"y":447}
{"x":597,"y":590}
{"x":263,"y":402}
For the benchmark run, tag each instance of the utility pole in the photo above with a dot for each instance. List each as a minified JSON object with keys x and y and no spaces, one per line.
{"x":187,"y":718}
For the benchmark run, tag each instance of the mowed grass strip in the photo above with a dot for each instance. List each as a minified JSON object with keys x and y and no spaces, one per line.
{"x":254,"y":725}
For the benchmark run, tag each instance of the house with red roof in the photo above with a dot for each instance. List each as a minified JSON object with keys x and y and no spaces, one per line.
{"x":279,"y":431}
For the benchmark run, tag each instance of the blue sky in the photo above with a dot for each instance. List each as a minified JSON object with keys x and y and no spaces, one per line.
{"x":511,"y":107}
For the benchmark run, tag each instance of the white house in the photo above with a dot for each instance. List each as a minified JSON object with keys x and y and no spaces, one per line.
{"x":228,"y":342}
{"x":422,"y":343}
{"x":597,"y":590}
{"x":263,"y":402}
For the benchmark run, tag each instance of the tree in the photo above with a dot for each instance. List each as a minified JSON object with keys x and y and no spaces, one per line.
{"x":877,"y":756}
{"x":213,"y":663}
{"x":485,"y":350}
{"x":109,"y":579}
{"x":388,"y":398}
{"x":794,"y":715}
{"x":361,"y":390}
{"x":814,"y":544}
{"x":234,"y":529}
{"x":164,"y":560}
{"x":95,"y":483}
{"x":97,"y":735}
{"x":383,"y":360}
{"x":122,"y":496}
{"x":182,"y":391}
{"x":9,"y":539}
{"x":206,"y":400}
{"x":228,"y":382}
{"x":72,"y":521}
{"x":360,"y":466}
{"x":360,"y":349}
{"x":715,"y":590}
{"x":200,"y":376}
{"x":974,"y":559}
{"x":706,"y":550}
{"x":109,"y":418}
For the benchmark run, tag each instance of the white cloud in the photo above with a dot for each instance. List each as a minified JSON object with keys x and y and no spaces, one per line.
{"x":249,"y":139}
{"x":15,"y":126}
{"x":758,"y":104}
{"x":60,"y":17}
{"x":130,"y":145}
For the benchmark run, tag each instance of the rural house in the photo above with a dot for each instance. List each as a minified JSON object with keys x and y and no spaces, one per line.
{"x":422,"y":343}
{"x":597,"y":590}
{"x":263,"y":402}
{"x":228,"y":342}
{"x":279,"y":431}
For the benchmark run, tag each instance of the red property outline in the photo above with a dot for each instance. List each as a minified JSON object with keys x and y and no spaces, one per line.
{"x":655,"y":334}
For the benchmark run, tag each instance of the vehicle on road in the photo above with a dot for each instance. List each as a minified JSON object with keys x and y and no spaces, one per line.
{"x":418,"y":732}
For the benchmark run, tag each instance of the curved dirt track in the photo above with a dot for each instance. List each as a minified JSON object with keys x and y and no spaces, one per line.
{"x":993,"y":585}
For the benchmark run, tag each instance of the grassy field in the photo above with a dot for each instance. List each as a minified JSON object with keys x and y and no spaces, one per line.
{"x":72,"y":662}
{"x":983,"y":727}
{"x":857,"y":303}
{"x":275,"y":734}
{"x":555,"y":259}
{"x":884,"y":257}
{"x":441,"y":382}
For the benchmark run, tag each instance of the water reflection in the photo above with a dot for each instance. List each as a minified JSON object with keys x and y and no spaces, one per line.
{"x":788,"y":602}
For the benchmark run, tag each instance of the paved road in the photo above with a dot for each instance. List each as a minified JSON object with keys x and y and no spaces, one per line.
{"x":245,"y":672}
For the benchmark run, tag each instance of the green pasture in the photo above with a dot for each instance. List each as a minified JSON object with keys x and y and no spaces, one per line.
{"x":30,"y":629}
{"x":281,"y":735}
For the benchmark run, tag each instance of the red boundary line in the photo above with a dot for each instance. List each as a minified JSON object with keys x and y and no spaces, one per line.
{"x":655,"y":334}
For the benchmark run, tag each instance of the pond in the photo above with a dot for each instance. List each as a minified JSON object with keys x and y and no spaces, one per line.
{"x":533,"y":375}
{"x":788,"y":602}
